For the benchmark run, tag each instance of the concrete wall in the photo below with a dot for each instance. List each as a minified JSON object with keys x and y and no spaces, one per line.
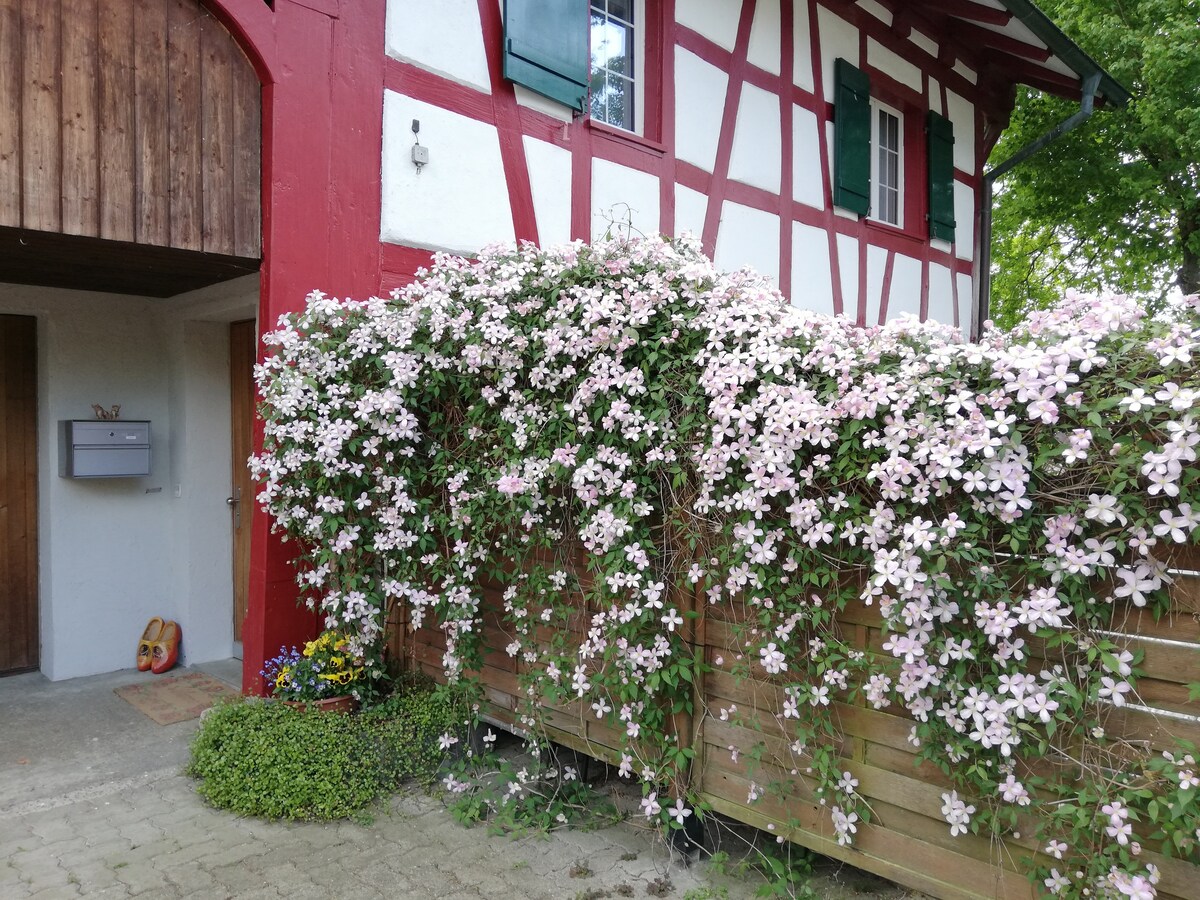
{"x":114,"y":552}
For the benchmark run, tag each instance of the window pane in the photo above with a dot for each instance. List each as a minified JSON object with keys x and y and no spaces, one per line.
{"x":887,"y":168}
{"x":609,"y":45}
{"x":612,"y":44}
{"x":621,"y":9}
{"x":620,"y":102}
{"x":597,"y":95}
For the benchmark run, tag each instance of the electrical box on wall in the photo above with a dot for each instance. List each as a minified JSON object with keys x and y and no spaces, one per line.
{"x":98,"y":449}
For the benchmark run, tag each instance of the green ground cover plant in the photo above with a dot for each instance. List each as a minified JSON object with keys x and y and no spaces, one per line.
{"x":262,"y":758}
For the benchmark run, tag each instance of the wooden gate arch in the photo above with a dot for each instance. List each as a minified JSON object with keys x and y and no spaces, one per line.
{"x":137,"y":123}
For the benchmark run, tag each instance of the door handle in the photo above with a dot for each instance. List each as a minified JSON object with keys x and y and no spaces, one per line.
{"x":235,"y":504}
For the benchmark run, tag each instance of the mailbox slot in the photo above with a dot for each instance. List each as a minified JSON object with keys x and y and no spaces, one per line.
{"x":97,"y":449}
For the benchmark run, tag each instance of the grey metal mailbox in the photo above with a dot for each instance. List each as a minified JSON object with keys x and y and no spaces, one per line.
{"x":98,"y":449}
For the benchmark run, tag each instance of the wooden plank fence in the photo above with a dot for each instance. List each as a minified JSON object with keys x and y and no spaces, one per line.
{"x":907,"y":839}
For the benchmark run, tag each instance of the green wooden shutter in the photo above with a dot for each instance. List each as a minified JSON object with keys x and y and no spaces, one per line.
{"x":941,"y":177}
{"x":546,"y":48}
{"x":852,"y":138}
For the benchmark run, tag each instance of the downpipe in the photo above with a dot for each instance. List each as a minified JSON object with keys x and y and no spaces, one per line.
{"x":1086,"y":106}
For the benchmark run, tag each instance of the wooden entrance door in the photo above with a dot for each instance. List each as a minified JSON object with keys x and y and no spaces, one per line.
{"x":18,"y":495}
{"x":242,"y":345}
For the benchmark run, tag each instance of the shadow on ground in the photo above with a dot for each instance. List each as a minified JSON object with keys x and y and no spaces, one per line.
{"x":94,"y":804}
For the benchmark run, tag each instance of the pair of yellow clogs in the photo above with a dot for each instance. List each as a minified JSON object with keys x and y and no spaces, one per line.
{"x":158,"y":650}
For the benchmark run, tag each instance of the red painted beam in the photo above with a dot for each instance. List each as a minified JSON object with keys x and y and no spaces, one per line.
{"x":733,"y":96}
{"x":1027,"y":72}
{"x":322,"y":95}
{"x":966,"y":9}
{"x":252,"y":24}
{"x":508,"y":126}
{"x":977,"y":35}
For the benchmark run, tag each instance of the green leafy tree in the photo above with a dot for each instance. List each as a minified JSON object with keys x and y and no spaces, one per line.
{"x":1115,"y":204}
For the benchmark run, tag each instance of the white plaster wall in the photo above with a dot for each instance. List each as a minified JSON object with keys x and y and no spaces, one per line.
{"x":623,"y":198}
{"x":922,"y":40}
{"x":802,"y":62}
{"x":966,"y":302}
{"x":876,"y":10}
{"x":964,"y":221}
{"x":699,"y":105}
{"x":748,"y":237}
{"x":448,"y":40}
{"x":716,"y":20}
{"x":812,"y":282}
{"x":691,"y":207}
{"x":550,"y":181}
{"x":876,"y":267}
{"x":941,"y":294}
{"x":899,"y":68}
{"x":459,"y":201}
{"x":551,"y":108}
{"x":756,"y":153}
{"x":962,"y":114}
{"x":838,"y":39}
{"x":965,"y":72}
{"x":905,"y":294}
{"x":202,"y":460}
{"x":104,"y":569}
{"x":848,"y":250}
{"x":808,"y":187}
{"x":764,"y":48}
{"x":115,"y":552}
{"x":202,"y":470}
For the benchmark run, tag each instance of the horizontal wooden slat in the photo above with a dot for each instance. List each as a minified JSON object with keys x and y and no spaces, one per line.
{"x":776,"y":747}
{"x":925,"y":866}
{"x":909,"y":839}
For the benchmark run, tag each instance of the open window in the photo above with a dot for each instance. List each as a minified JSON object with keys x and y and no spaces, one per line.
{"x":600,"y":58}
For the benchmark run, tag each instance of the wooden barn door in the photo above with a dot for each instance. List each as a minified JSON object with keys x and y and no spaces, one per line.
{"x":18,"y":495}
{"x":241,"y":382}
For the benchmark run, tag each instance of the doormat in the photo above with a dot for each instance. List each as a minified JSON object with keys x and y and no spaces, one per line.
{"x":177,"y":698}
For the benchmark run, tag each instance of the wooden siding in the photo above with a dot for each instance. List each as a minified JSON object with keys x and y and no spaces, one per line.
{"x":907,"y":840}
{"x":129,"y":120}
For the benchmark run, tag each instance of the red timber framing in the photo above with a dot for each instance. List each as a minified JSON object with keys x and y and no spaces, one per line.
{"x":655,"y":153}
{"x":324,"y":70}
{"x":320,"y":63}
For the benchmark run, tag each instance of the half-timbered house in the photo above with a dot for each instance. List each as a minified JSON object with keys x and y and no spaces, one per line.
{"x":173,"y":172}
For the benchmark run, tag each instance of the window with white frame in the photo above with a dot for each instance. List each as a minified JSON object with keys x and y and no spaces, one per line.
{"x":869,"y":164}
{"x":617,"y":78}
{"x":887,"y":165}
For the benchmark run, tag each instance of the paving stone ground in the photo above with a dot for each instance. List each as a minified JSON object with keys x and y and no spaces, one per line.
{"x":93,"y":803}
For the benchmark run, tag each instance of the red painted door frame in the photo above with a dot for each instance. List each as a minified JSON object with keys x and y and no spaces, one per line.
{"x":322,"y":103}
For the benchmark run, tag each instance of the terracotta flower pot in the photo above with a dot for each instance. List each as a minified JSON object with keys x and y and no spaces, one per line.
{"x":342,"y":703}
